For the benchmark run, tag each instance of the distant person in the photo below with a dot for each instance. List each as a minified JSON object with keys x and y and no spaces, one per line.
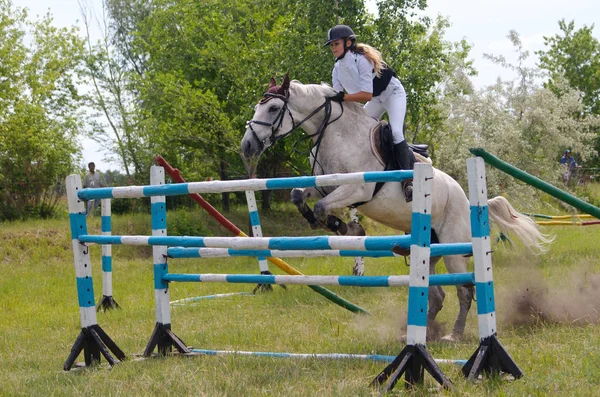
{"x":92,"y":180}
{"x":571,"y":167}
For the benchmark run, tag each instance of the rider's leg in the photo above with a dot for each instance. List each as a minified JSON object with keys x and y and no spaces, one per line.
{"x":396,"y":109}
{"x":406,"y":161}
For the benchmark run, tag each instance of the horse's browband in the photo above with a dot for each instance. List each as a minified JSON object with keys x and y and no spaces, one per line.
{"x":267,"y":96}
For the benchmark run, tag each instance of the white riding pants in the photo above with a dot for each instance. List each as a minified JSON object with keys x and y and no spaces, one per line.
{"x":395,"y":106}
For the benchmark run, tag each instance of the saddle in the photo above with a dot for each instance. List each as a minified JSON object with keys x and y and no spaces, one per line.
{"x":383,"y":148}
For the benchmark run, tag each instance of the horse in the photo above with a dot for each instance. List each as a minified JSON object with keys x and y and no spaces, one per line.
{"x":340,"y":133}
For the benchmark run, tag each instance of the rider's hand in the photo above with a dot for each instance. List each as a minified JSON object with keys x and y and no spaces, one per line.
{"x":339,"y":97}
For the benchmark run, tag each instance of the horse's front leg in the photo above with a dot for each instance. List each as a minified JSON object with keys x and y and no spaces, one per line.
{"x":332,"y":223}
{"x":298,"y":197}
{"x":343,"y":196}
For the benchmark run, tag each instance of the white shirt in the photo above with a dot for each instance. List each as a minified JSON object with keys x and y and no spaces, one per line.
{"x":355,"y":73}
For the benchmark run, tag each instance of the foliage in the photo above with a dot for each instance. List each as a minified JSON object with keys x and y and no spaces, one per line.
{"x":40,"y":116}
{"x":518,"y":121}
{"x":574,"y":56}
{"x":200,"y":67}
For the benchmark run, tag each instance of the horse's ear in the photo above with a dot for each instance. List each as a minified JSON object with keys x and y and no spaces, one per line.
{"x":272,"y":82}
{"x":286,"y":82}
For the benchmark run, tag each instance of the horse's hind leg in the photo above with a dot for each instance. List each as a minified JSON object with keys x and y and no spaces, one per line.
{"x":456,"y":264}
{"x":436,"y":302}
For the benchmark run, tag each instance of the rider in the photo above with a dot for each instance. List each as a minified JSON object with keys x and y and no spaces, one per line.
{"x":362,"y":73}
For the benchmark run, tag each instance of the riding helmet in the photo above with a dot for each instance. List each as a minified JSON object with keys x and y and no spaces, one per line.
{"x":339,"y":32}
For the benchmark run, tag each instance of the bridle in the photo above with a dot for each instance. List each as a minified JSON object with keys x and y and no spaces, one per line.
{"x":276,"y":124}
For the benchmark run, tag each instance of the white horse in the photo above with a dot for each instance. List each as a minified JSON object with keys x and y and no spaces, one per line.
{"x":341,"y":135}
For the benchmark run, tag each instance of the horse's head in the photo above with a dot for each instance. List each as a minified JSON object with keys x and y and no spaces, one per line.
{"x":272,"y":119}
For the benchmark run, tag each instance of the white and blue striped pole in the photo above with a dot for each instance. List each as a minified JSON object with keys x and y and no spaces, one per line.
{"x":414,"y":359}
{"x":162,"y":336}
{"x":418,"y":292}
{"x":362,"y":243}
{"x":256,"y":228}
{"x":176,"y":189}
{"x":490,"y":356}
{"x":92,"y":339}
{"x":107,"y":302}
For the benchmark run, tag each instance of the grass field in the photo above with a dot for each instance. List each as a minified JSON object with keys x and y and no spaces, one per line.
{"x":548,"y":310}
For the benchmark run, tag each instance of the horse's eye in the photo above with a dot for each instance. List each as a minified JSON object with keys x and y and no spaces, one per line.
{"x":273,"y":109}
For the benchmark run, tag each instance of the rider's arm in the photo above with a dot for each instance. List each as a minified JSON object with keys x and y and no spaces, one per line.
{"x":361,"y":96}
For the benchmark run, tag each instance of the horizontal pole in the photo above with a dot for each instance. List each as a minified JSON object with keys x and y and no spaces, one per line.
{"x":436,"y":250}
{"x":177,"y":189}
{"x":537,"y":182}
{"x":318,"y":356}
{"x":361,"y":243}
{"x":356,"y":281}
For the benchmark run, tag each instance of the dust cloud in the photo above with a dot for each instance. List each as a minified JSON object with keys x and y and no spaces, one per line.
{"x":576,"y":301}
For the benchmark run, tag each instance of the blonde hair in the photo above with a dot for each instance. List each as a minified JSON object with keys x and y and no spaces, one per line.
{"x":372,"y":55}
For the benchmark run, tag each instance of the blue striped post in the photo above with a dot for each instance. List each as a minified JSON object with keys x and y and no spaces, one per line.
{"x":256,"y":228}
{"x":414,"y":359}
{"x":490,"y":356}
{"x":107,"y":302}
{"x":418,"y":292}
{"x":92,"y":339}
{"x":162,"y":336}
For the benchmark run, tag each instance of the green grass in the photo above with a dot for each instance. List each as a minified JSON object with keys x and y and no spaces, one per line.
{"x":558,"y":350}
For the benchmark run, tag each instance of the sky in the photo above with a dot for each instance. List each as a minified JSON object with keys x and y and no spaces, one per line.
{"x":485,"y":24}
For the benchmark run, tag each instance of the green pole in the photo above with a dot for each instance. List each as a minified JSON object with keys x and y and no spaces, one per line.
{"x":536,"y":182}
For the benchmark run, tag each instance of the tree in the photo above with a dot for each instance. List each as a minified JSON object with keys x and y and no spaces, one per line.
{"x":520,"y":122}
{"x":574,"y":56}
{"x":40,"y":116}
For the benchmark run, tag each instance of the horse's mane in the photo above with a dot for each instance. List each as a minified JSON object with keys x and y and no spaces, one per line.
{"x":321,"y":91}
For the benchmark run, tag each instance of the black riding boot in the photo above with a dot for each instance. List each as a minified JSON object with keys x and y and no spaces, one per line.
{"x":405,"y":160}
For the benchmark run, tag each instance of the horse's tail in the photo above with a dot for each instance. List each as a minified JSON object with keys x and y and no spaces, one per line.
{"x":511,"y":222}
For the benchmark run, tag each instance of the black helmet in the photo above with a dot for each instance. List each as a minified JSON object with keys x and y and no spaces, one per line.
{"x":339,"y":32}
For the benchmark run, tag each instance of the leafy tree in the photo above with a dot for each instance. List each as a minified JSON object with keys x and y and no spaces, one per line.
{"x":519,"y":121}
{"x":574,"y":56}
{"x":39,"y":112}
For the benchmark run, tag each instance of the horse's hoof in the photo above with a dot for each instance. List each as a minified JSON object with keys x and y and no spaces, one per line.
{"x":319,"y":211}
{"x":297,"y":196}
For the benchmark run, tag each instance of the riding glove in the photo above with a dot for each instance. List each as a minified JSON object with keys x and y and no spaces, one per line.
{"x":339,"y":97}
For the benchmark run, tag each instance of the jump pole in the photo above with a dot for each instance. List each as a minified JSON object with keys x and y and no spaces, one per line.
{"x":536,"y":182}
{"x":107,"y":301}
{"x":338,"y":300}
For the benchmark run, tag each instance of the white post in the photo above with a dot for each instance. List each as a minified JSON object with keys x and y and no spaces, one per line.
{"x":159,"y":252}
{"x":256,"y":228}
{"x":418,"y":291}
{"x":482,"y":249}
{"x":83,"y":265}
